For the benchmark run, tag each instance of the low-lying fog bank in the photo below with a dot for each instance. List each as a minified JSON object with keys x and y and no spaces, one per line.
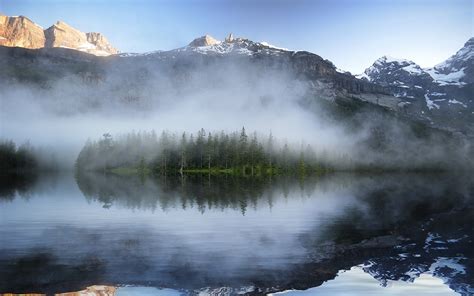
{"x":65,"y":112}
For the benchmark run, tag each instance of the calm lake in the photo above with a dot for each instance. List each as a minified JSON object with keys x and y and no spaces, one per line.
{"x":340,"y":234}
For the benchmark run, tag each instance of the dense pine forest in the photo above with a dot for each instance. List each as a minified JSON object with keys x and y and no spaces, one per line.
{"x":236,"y":153}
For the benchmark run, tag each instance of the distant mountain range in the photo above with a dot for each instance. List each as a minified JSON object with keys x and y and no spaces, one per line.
{"x":20,"y":31}
{"x":441,"y":97}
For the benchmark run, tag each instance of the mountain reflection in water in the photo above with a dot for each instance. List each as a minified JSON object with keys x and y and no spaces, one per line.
{"x":234,"y":235}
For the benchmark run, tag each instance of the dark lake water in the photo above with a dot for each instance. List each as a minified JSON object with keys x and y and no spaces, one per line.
{"x":341,"y":234}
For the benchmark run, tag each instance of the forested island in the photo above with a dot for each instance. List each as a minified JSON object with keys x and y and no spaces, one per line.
{"x":235,"y":153}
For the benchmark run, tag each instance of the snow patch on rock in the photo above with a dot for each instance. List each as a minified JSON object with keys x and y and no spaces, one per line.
{"x":429,"y":103}
{"x":452,"y":78}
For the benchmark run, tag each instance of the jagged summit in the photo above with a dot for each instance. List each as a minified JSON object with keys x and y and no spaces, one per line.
{"x":229,"y":38}
{"x":208,"y":45}
{"x":206,"y":40}
{"x":20,"y":31}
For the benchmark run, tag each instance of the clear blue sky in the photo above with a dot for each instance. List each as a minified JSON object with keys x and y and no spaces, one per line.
{"x":352,"y":34}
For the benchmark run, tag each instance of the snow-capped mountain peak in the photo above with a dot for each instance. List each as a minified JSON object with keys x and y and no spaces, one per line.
{"x":231,"y":45}
{"x":391,"y":60}
{"x":208,"y":45}
{"x":465,"y":54}
{"x":458,"y":69}
{"x":442,"y":92}
{"x":390,"y":66}
{"x":396,"y":63}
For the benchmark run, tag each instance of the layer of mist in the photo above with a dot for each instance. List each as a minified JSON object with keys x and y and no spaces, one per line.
{"x":139,"y":95}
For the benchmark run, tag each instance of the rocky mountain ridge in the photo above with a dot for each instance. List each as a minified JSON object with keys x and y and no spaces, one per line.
{"x":443,"y":93}
{"x":20,"y":31}
{"x":318,"y":72}
{"x":455,"y":71}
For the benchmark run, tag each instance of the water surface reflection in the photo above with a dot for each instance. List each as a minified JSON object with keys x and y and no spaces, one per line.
{"x":254,"y":236}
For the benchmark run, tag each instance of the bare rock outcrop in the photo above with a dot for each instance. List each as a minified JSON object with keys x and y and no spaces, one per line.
{"x":19,"y":31}
{"x":205,"y":40}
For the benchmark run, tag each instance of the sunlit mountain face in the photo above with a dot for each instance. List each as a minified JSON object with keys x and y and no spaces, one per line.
{"x":142,"y":154}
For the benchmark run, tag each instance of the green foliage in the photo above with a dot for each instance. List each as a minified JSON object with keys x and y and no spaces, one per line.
{"x":234,"y":153}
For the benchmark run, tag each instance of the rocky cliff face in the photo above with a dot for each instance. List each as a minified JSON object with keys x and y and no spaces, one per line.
{"x":22,"y":32}
{"x":63,"y":35}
